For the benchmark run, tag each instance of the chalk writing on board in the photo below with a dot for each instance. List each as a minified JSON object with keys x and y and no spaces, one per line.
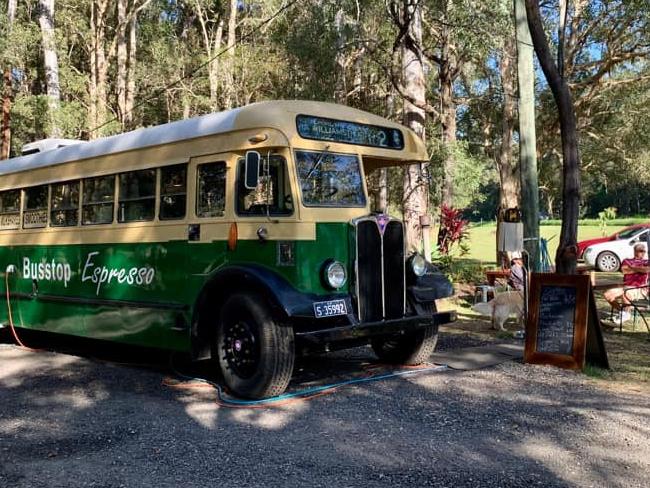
{"x":557,"y":308}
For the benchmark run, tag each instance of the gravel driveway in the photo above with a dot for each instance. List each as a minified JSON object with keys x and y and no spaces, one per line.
{"x":68,"y":421}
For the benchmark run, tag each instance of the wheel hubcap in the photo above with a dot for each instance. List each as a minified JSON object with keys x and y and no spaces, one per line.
{"x":608,"y":262}
{"x":241,"y":349}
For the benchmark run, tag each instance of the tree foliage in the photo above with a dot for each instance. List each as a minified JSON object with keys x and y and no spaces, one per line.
{"x":349,"y":51}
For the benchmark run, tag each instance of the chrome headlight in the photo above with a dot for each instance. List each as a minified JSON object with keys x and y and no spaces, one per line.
{"x":334,"y":274}
{"x":418,"y":265}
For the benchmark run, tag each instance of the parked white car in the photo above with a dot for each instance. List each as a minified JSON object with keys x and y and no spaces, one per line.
{"x":607,"y":256}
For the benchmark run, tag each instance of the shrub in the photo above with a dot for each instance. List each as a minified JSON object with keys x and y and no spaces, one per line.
{"x":466,"y":273}
{"x":604,"y":217}
{"x":453,"y":230}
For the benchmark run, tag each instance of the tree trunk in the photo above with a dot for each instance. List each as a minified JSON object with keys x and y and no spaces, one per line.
{"x":415,"y":185}
{"x":549,"y":205}
{"x":509,"y":188}
{"x":566,"y":256}
{"x":130,"y":74}
{"x":5,"y":147}
{"x":508,"y":169}
{"x":51,"y":64}
{"x":382,"y":198}
{"x":212,"y":46}
{"x":340,"y":89}
{"x":91,"y":121}
{"x":229,"y":67}
{"x":122,"y":56}
{"x":447,"y":73}
{"x":448,"y":112}
{"x":99,"y":68}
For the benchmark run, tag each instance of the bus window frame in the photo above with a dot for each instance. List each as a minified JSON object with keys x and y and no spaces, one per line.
{"x":19,"y":213}
{"x":23,"y":204}
{"x":118,"y":201}
{"x":115,"y":195}
{"x":159,"y":193}
{"x":194,"y":192}
{"x":331,"y":150}
{"x":50,"y":208}
{"x":242,"y":159}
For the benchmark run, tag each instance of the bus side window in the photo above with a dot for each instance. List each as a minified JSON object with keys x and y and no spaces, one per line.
{"x":137,"y":198}
{"x":10,"y":209}
{"x":272,"y":190}
{"x":173,"y":192}
{"x":211,"y":187}
{"x":35,"y":207}
{"x":64,"y":204}
{"x":98,"y":198}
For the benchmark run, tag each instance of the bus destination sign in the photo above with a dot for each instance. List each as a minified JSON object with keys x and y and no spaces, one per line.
{"x":322,"y":129}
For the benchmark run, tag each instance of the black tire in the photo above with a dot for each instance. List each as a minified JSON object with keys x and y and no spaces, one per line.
{"x":254,"y":352}
{"x":608,"y":261}
{"x":411,"y":349}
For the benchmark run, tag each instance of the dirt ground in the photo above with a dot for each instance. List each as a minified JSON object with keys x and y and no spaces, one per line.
{"x":628,"y":350}
{"x":92,"y":416}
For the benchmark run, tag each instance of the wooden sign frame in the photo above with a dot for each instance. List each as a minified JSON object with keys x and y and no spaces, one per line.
{"x":582,"y":286}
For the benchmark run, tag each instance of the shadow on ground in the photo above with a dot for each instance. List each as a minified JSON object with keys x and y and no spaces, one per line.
{"x":88,"y":419}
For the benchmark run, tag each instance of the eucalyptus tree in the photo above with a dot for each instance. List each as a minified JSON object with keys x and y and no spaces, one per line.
{"x":601,"y":45}
{"x":566,"y":256}
{"x":7,"y":25}
{"x":50,"y":64}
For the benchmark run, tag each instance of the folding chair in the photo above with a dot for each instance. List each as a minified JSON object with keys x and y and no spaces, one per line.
{"x":640,"y":306}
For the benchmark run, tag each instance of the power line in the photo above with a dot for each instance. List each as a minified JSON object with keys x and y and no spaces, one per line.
{"x":160,"y":91}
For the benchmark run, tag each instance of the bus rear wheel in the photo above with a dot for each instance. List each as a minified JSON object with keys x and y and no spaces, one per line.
{"x":410,"y":349}
{"x":255,"y":353}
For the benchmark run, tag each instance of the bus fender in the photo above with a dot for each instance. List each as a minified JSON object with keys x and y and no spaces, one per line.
{"x":284,"y":299}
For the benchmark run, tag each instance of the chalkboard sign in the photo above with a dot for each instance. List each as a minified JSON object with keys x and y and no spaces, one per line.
{"x":557,"y":310}
{"x":558,"y":316}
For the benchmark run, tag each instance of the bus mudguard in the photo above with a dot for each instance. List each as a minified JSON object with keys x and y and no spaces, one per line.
{"x":287,"y":302}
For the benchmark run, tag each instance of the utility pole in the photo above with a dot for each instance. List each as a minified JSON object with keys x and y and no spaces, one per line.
{"x":527,"y":145}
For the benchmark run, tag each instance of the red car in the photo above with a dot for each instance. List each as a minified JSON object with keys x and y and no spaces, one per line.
{"x":621,"y":234}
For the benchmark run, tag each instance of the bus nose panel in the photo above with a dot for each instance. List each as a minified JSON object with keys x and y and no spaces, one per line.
{"x":380,"y":287}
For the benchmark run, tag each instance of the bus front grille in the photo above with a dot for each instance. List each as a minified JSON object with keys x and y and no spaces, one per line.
{"x":380,"y":292}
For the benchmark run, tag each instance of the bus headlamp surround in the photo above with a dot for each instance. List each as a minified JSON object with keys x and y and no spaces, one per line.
{"x":418,"y":265}
{"x":334,"y":274}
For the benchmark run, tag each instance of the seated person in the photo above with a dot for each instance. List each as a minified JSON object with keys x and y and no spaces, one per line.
{"x":517,"y":272}
{"x":635,"y":281}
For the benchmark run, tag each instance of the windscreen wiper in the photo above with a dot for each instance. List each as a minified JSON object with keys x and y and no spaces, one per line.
{"x":318,"y":162}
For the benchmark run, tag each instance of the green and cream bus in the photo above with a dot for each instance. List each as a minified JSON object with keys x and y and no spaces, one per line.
{"x":245,"y":236}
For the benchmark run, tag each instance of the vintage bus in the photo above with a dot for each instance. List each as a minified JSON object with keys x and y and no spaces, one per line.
{"x":245,"y":236}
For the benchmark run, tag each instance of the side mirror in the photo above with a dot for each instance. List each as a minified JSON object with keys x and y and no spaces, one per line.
{"x":252,"y":170}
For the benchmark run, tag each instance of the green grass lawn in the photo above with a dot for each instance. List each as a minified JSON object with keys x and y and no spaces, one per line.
{"x":482,"y":239}
{"x":629,"y":352}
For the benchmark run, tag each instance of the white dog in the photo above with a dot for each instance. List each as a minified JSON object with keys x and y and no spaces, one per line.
{"x":501,"y":307}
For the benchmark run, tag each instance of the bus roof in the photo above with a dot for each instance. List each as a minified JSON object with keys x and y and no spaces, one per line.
{"x":274,"y":114}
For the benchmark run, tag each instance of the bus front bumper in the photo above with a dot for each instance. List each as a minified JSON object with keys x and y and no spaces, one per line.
{"x":370,"y":329}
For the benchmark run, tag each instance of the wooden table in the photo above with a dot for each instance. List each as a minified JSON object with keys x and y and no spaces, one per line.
{"x":496,"y":274}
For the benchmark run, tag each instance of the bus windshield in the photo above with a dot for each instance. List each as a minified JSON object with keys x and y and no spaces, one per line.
{"x":330,"y":180}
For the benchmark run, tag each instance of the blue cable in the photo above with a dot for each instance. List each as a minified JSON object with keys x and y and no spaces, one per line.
{"x":309,"y":391}
{"x":545,"y":259}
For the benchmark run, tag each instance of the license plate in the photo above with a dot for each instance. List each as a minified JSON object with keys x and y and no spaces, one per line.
{"x":330,"y":308}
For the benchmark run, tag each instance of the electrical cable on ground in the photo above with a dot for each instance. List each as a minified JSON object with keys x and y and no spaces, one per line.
{"x":224,"y":400}
{"x":10,"y":317}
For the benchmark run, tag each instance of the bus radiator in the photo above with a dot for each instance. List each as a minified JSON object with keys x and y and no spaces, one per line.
{"x":380,"y":270}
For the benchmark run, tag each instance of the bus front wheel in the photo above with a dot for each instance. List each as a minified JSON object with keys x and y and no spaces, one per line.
{"x":410,"y":349}
{"x":255,"y":353}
